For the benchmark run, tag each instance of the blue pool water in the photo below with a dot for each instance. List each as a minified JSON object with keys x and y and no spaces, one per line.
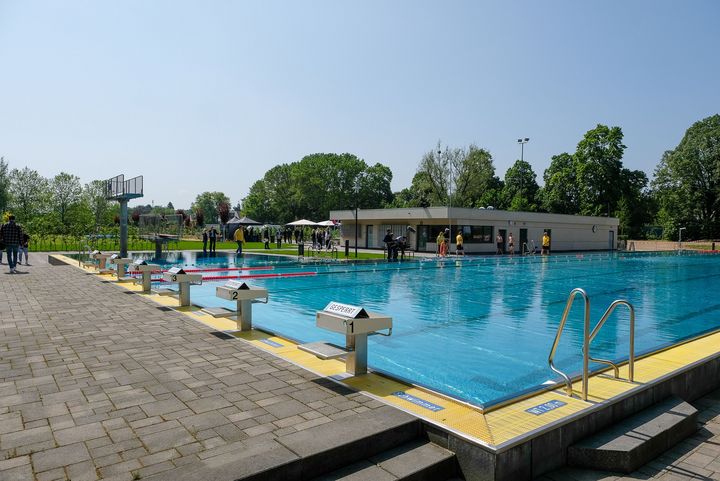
{"x":480,"y":328}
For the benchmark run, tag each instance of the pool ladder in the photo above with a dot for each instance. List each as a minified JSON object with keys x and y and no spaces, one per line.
{"x":588,"y":337}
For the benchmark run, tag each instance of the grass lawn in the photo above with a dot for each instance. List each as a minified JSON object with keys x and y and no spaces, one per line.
{"x":69,"y":244}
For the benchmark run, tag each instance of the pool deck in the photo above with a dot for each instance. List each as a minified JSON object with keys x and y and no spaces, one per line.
{"x":97,"y":384}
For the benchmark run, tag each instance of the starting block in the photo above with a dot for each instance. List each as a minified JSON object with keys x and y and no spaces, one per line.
{"x":244,"y":295}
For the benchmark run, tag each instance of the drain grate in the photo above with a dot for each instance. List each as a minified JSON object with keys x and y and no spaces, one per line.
{"x":222,"y":335}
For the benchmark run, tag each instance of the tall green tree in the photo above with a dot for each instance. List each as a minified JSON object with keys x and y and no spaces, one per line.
{"x":561,"y":193}
{"x":65,"y":191}
{"x":30,"y":193}
{"x":4,"y":186}
{"x":463,"y":177}
{"x":315,"y":185}
{"x":687,"y":182}
{"x":476,"y":184}
{"x":520,"y":188}
{"x":100,"y":208}
{"x":208,"y":203}
{"x":599,"y":167}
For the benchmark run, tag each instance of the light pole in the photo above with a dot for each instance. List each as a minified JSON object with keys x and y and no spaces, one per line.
{"x":357,"y":192}
{"x":522,"y":143}
{"x":439,"y":152}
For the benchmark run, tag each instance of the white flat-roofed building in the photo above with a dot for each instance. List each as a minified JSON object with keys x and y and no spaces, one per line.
{"x":479,"y":228}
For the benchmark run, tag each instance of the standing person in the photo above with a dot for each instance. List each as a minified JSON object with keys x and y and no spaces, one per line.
{"x":545,"y":244}
{"x":441,"y":244}
{"x":212,"y":236}
{"x":11,"y":234}
{"x":389,"y":241}
{"x":24,"y":244}
{"x":499,"y":241}
{"x":511,"y":244}
{"x":459,"y":249}
{"x":239,"y":237}
{"x":205,"y":239}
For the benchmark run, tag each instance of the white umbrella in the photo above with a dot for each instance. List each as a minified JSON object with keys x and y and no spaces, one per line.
{"x":302,"y":222}
{"x":327,"y":223}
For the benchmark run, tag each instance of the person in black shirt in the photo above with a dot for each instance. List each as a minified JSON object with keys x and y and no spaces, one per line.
{"x":389,"y":240}
{"x":11,"y":235}
{"x":213,"y":238}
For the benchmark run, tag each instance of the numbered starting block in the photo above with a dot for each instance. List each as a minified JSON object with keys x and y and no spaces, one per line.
{"x":356,"y":324}
{"x":178,"y":276}
{"x":244,"y":295}
{"x":121,"y":264}
{"x":102,"y":260}
{"x":146,"y":271}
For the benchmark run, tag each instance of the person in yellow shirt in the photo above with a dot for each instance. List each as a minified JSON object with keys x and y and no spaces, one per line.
{"x":459,"y":250}
{"x":239,"y":237}
{"x":545,"y":244}
{"x":441,"y":244}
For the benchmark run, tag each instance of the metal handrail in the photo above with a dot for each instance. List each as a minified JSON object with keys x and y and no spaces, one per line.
{"x":551,"y":357}
{"x":594,"y":333}
{"x":524,"y":249}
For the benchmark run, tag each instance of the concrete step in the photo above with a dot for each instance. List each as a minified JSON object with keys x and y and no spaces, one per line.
{"x":633,"y":442}
{"x":305,"y":454}
{"x":418,"y":460}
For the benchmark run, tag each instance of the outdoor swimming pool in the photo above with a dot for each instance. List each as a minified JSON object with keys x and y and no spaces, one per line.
{"x":480,"y":329}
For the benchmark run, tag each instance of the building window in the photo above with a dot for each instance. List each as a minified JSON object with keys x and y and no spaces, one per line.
{"x":477,"y":234}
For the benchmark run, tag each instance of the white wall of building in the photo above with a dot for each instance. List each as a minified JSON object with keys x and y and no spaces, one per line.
{"x":568,"y":232}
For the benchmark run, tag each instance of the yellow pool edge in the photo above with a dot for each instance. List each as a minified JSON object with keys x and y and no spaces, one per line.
{"x":496,"y":428}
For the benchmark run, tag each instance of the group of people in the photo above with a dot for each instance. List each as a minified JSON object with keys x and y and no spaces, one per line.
{"x":500,"y":243}
{"x":443,"y":243}
{"x":394,"y":245}
{"x":209,"y":235}
{"x":16,"y":242}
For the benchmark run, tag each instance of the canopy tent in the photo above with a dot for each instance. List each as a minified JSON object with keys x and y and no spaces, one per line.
{"x":302,"y":222}
{"x":328,"y":223}
{"x":243,"y":221}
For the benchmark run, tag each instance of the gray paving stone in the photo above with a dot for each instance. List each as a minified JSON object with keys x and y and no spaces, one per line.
{"x":208,"y":404}
{"x":206,"y":420}
{"x":84,"y":471}
{"x":25,"y":437}
{"x":163,"y":407}
{"x":19,"y":473}
{"x":10,"y":422}
{"x":58,"y":457}
{"x":167,"y":439}
{"x":286,"y":408}
{"x":77,"y":434}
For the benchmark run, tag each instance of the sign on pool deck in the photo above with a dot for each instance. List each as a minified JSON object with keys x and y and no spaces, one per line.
{"x":545,"y":407}
{"x":420,"y":402}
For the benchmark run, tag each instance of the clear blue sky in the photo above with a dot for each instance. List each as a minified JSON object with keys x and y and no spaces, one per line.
{"x":209,"y":95}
